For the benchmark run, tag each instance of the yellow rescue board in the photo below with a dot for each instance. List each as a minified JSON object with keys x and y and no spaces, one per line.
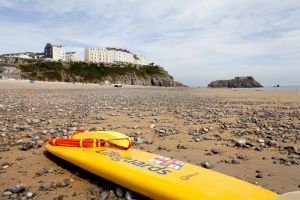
{"x":156,"y":176}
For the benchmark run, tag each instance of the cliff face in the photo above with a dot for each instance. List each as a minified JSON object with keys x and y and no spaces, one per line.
{"x":129,"y":74}
{"x":238,"y":82}
{"x":132,"y":79}
{"x":8,"y":72}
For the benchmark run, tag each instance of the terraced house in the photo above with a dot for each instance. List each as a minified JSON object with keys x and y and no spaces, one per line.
{"x":113,"y":55}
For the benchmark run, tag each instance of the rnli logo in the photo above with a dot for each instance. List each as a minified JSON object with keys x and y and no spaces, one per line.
{"x":167,"y":162}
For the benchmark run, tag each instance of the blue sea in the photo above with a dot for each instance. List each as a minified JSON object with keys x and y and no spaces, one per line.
{"x":263,"y":88}
{"x":281,"y":88}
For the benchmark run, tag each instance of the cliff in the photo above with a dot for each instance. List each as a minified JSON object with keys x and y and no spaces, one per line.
{"x":237,"y":82}
{"x":129,"y":74}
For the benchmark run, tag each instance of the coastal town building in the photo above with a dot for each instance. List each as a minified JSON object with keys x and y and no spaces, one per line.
{"x":113,"y":55}
{"x":25,"y":55}
{"x":54,"y":52}
{"x":72,"y":57}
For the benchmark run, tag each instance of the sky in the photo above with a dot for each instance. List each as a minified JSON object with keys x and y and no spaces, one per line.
{"x":196,"y":41}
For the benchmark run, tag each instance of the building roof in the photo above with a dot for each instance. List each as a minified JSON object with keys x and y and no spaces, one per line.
{"x":118,"y":49}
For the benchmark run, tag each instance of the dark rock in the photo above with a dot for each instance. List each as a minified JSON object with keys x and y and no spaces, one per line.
{"x":215,"y":151}
{"x":238,"y":82}
{"x":46,"y":185}
{"x":27,"y":146}
{"x":291,"y":149}
{"x":119,"y":192}
{"x":180,"y":146}
{"x":259,"y":176}
{"x":63,"y":183}
{"x":60,"y":197}
{"x":258,"y":148}
{"x":166,"y":132}
{"x":17,"y":189}
{"x":20,"y":158}
{"x":235,"y":161}
{"x":160,"y":148}
{"x":272,"y":143}
{"x":206,"y":165}
{"x":138,"y":140}
{"x":43,"y":171}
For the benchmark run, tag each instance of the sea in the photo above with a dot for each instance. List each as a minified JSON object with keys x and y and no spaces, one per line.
{"x":263,"y":88}
{"x":281,"y":88}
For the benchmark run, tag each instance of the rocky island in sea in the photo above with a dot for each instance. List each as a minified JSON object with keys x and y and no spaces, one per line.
{"x":237,"y":82}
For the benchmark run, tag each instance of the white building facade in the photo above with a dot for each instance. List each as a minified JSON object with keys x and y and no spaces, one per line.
{"x":113,"y":55}
{"x":72,"y":57}
{"x":54,"y":52}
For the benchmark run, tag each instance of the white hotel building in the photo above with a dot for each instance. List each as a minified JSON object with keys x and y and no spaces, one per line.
{"x":72,"y":56}
{"x":58,"y":53}
{"x":113,"y":55}
{"x":55,"y":52}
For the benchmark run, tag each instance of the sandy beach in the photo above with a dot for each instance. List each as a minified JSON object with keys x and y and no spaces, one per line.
{"x":251,"y":134}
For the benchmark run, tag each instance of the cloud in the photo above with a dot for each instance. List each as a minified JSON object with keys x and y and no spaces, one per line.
{"x":196,"y":41}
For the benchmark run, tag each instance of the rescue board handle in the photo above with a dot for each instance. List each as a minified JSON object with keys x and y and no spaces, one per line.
{"x":91,"y":143}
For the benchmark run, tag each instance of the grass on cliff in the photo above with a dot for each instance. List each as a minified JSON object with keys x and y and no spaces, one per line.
{"x":56,"y":71}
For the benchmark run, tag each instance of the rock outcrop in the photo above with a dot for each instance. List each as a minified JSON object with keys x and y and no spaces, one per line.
{"x":8,"y":72}
{"x":237,"y":82}
{"x":132,"y":79}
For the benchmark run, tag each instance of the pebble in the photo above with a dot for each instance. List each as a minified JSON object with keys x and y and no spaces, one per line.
{"x":259,"y":176}
{"x":241,"y":143}
{"x":180,"y":146}
{"x":261,"y":140}
{"x":152,"y":125}
{"x":119,"y":192}
{"x":27,"y":146}
{"x":235,"y":161}
{"x":5,"y":167}
{"x":215,"y":151}
{"x":272,"y":143}
{"x":63,"y":183}
{"x":43,"y":171}
{"x":7,"y":193}
{"x":138,"y":140}
{"x":129,"y":196}
{"x":46,"y":186}
{"x":29,"y":194}
{"x":17,"y":189}
{"x":258,"y":149}
{"x":206,"y":165}
{"x":103,"y":195}
{"x":205,"y":130}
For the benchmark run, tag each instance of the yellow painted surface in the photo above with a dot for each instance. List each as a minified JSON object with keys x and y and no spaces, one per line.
{"x":135,"y":170}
